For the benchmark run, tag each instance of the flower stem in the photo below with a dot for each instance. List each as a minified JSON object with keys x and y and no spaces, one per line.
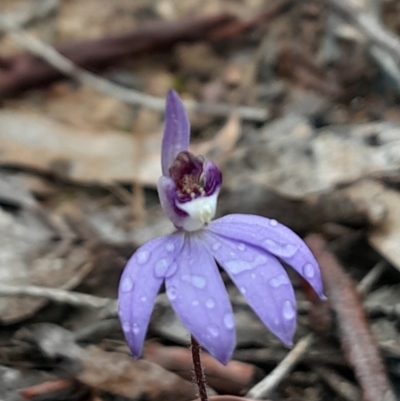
{"x":198,"y":370}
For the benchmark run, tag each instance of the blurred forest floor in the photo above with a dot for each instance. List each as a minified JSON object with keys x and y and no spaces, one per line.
{"x":298,"y":103}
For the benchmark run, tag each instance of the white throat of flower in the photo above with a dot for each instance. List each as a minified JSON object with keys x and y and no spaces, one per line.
{"x":200,"y":211}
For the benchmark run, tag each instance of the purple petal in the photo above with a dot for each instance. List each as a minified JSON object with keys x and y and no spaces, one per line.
{"x":262,"y":281}
{"x":140,"y":283}
{"x":167,"y":194}
{"x":275,"y":238}
{"x":199,"y":298}
{"x":176,"y":131}
{"x":212,"y":178}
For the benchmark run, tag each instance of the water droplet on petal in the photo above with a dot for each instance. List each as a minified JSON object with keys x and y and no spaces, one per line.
{"x":161,"y":268}
{"x":213,"y":330}
{"x":142,"y":257}
{"x":172,"y":293}
{"x":236,"y":266}
{"x":143,"y":299}
{"x":289,"y":311}
{"x":126,"y":326}
{"x":198,"y":281}
{"x":229,"y":321}
{"x":309,"y":270}
{"x":241,"y":247}
{"x":283,"y":250}
{"x":195,"y":302}
{"x":127,"y":285}
{"x":253,"y":275}
{"x":173,"y":267}
{"x":259,"y":260}
{"x":278,"y":281}
{"x":210,"y":303}
{"x":216,"y":246}
{"x":170,"y":247}
{"x":135,"y":329}
{"x":242,"y":290}
{"x":290,"y":250}
{"x":273,"y":222}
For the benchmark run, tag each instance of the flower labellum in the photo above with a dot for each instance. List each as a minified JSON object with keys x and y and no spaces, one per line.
{"x":249,"y":248}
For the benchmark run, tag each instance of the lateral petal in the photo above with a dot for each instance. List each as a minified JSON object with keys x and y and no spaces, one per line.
{"x":199,"y":298}
{"x":276,"y":239}
{"x":166,"y":189}
{"x":262,"y":280}
{"x":139,"y":285}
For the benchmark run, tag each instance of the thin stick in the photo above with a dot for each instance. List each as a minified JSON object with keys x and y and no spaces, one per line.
{"x":198,"y":370}
{"x":109,"y":305}
{"x":67,"y":67}
{"x":267,"y":385}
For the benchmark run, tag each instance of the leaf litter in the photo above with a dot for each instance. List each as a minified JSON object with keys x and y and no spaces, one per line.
{"x":77,"y":194}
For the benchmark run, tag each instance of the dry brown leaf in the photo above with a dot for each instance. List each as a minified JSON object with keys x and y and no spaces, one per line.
{"x":295,"y":161}
{"x":35,"y":142}
{"x":29,"y":256}
{"x":382,"y":205}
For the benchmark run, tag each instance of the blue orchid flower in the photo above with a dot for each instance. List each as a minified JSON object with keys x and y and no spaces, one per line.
{"x":249,"y":248}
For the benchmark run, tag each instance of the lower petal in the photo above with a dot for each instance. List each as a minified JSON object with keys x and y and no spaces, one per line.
{"x":262,"y":281}
{"x":276,"y":239}
{"x":140,"y":282}
{"x":199,"y":298}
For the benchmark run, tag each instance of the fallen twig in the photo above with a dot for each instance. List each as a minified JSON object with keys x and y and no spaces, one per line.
{"x":269,"y":383}
{"x":357,"y":341}
{"x":343,"y":387}
{"x":108,"y":305}
{"x":369,"y":25}
{"x":70,"y":69}
{"x":234,"y":378}
{"x":385,"y":45}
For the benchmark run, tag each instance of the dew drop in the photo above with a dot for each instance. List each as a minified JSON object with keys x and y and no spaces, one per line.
{"x":290,"y":250}
{"x":161,"y":268}
{"x":135,"y":329}
{"x":282,"y":250}
{"x":216,"y":246}
{"x":241,"y":247}
{"x":236,"y":266}
{"x":172,"y":293}
{"x":170,"y":247}
{"x":242,"y":290}
{"x":253,"y":275}
{"x":127,"y":285}
{"x":173,"y":267}
{"x":309,"y":270}
{"x":126,"y":326}
{"x":210,"y":303}
{"x":289,"y":312}
{"x":142,"y":257}
{"x":229,"y":321}
{"x":195,"y":302}
{"x":198,"y":281}
{"x":273,"y":222}
{"x":143,"y":299}
{"x":278,"y":281}
{"x":213,"y":330}
{"x":259,"y":260}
